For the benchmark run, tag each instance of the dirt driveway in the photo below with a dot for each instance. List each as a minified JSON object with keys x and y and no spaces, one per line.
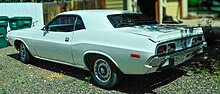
{"x":43,"y":77}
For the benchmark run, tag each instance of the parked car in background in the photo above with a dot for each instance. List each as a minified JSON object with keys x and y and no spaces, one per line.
{"x":108,"y":43}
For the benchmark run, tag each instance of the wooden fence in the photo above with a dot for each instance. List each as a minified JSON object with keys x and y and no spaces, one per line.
{"x":53,"y":8}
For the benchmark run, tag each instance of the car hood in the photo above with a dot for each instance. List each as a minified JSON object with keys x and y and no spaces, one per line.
{"x":159,"y":33}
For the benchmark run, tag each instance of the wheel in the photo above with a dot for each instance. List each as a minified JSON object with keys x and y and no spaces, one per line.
{"x":104,"y":73}
{"x":25,"y":56}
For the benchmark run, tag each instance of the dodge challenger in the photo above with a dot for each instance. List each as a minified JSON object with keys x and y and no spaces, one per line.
{"x":108,"y":43}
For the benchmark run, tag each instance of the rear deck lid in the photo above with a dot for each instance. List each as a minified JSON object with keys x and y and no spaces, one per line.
{"x":160,"y":33}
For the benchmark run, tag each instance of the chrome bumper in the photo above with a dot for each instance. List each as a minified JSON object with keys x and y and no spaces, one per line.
{"x":157,"y":63}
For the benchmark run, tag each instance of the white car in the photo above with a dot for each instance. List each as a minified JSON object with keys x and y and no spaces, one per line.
{"x":108,"y":43}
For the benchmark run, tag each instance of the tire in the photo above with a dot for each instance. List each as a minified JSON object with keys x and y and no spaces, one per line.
{"x":24,"y":54}
{"x":104,"y":73}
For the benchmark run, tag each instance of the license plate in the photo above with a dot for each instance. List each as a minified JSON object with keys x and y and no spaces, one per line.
{"x":178,"y":60}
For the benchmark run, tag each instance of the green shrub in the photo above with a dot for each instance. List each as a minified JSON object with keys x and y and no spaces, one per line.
{"x":193,"y":3}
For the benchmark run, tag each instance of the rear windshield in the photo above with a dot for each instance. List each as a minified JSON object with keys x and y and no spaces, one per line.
{"x":128,"y":20}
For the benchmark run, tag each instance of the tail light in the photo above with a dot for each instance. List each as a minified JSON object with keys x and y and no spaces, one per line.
{"x":171,"y":47}
{"x":161,"y":49}
{"x":168,"y":48}
{"x":194,"y":41}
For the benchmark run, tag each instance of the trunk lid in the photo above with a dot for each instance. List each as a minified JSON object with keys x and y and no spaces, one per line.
{"x":160,"y":33}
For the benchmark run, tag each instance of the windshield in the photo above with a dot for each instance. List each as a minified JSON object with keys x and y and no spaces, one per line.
{"x":128,"y":20}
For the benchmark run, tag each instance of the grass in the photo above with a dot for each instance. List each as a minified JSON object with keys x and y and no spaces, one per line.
{"x":1,"y":66}
{"x":219,"y":86}
{"x":4,"y":91}
{"x":85,"y":84}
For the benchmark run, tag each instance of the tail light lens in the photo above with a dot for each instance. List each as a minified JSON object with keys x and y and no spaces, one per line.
{"x":161,"y":49}
{"x":166,"y":48}
{"x":171,"y":47}
{"x":194,"y":41}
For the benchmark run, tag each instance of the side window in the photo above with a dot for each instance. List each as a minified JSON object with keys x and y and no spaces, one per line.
{"x":64,"y":23}
{"x":79,"y":24}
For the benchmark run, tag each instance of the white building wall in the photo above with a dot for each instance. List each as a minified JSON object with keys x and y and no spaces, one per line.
{"x":34,"y":10}
{"x":132,"y":6}
{"x":185,"y":8}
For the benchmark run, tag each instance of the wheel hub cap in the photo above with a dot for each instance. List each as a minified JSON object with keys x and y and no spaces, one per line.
{"x":102,"y":70}
{"x":22,"y":51}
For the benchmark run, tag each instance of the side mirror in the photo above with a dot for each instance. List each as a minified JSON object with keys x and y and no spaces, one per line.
{"x":45,"y":31}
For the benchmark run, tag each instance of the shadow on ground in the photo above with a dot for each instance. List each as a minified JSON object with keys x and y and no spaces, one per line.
{"x":130,"y":83}
{"x":56,"y":67}
{"x":209,"y":60}
{"x":147,"y":83}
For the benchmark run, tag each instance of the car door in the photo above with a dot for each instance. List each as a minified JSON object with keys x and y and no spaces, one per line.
{"x":55,"y":39}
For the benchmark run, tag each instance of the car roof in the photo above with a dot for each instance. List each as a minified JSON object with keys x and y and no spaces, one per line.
{"x":95,"y":12}
{"x":96,"y":19}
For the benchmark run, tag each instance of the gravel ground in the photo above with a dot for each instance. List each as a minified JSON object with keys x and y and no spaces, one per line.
{"x":43,"y":77}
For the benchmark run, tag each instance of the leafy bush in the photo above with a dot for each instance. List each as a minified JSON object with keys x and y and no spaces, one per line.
{"x":193,"y":3}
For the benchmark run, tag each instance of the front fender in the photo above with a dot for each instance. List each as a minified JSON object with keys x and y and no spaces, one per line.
{"x":20,"y":40}
{"x":26,"y":43}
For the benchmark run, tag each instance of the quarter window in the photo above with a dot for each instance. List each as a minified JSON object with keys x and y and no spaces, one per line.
{"x":79,"y":24}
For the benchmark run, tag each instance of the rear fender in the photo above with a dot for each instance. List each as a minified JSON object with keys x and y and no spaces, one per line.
{"x":101,"y":53}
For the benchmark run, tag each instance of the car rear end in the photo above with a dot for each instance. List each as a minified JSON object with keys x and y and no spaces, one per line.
{"x":171,"y":45}
{"x":174,"y":52}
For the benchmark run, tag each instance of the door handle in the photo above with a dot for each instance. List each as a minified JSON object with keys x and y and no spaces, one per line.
{"x":66,"y":39}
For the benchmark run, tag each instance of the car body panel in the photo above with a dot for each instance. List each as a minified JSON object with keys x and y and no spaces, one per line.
{"x":117,"y":44}
{"x":54,"y":45}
